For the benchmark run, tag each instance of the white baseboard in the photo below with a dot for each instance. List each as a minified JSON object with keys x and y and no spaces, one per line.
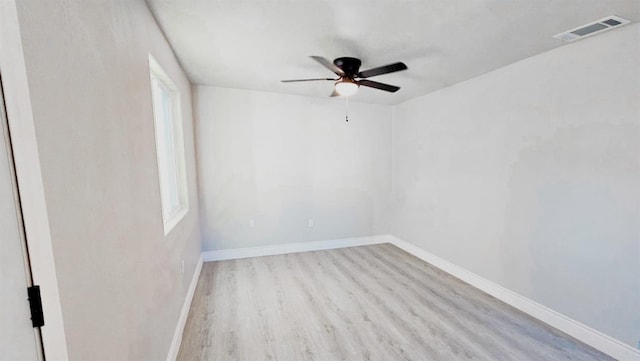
{"x":584,"y":333}
{"x":291,"y":248}
{"x":184,"y":313}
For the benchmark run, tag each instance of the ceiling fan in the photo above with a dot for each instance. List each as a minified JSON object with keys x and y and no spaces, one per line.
{"x":350,"y":76}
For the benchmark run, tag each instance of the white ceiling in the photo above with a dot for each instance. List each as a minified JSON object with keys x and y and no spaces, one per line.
{"x":253,"y":44}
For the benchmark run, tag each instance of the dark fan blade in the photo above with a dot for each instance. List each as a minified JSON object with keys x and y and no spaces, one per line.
{"x":382,"y":70}
{"x":327,"y":64}
{"x":381,"y":86}
{"x":296,"y":80}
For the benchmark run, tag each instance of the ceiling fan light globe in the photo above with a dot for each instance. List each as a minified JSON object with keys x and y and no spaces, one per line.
{"x":346,"y":88}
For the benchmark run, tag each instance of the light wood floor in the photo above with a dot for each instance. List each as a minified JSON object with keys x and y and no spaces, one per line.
{"x":362,"y":303}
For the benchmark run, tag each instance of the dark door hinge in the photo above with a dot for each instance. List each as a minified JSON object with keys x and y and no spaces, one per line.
{"x":35,"y":303}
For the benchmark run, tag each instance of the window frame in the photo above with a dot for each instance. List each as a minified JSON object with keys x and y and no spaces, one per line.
{"x":174,"y":195}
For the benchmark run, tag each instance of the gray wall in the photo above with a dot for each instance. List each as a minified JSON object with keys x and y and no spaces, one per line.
{"x":281,"y":160}
{"x":530,"y":177}
{"x":120,"y":281}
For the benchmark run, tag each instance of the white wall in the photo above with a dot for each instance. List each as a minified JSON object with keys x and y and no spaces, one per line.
{"x":530,"y":177}
{"x":282,"y":160}
{"x":120,"y":282}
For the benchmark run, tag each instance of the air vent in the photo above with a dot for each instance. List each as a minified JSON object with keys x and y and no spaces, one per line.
{"x":596,"y":27}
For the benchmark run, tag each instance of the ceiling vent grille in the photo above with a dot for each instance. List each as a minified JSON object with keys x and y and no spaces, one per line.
{"x":596,"y":27}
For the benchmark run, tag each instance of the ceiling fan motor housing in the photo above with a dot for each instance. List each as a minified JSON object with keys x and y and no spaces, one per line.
{"x":350,"y":66}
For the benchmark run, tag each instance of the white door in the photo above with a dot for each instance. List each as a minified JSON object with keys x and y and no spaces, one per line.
{"x":19,"y":340}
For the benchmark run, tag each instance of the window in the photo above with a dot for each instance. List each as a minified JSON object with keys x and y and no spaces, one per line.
{"x":169,"y":146}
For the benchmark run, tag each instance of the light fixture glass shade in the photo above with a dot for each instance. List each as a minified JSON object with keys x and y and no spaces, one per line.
{"x":346,"y":88}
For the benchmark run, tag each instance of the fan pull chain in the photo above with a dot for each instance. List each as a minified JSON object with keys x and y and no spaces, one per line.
{"x":346,"y":117}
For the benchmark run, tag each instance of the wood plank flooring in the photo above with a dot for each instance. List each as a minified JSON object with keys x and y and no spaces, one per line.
{"x":361,"y":303}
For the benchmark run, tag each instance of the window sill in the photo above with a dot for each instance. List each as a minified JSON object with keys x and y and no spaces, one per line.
{"x":173,"y":220}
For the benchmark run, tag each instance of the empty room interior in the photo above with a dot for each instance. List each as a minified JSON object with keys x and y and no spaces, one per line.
{"x":319,"y":180}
